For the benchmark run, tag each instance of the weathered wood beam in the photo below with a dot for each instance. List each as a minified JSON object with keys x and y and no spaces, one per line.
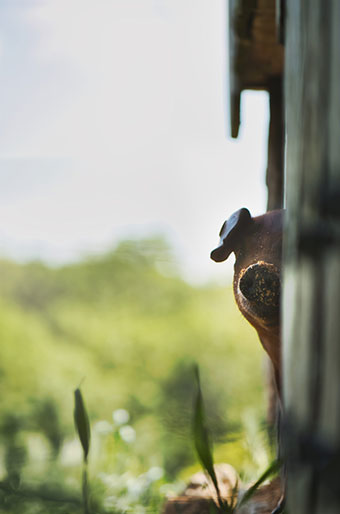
{"x":255,"y":55}
{"x":311,"y":316}
{"x":275,"y":163}
{"x":280,"y":20}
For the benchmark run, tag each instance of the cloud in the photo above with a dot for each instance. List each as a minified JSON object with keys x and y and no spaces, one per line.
{"x":132,"y":92}
{"x":77,"y":29}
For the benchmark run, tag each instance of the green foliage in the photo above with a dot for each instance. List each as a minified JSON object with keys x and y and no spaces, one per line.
{"x":201,"y":439}
{"x":271,"y":471}
{"x":129,"y":324}
{"x":204,"y":452}
{"x":82,"y":423}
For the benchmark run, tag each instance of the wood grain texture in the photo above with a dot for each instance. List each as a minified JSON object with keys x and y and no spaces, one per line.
{"x":255,"y":54}
{"x":311,"y":316}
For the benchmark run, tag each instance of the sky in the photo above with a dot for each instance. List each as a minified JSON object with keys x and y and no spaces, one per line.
{"x":114,"y":125}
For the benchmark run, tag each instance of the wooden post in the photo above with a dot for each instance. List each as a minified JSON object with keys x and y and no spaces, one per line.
{"x":311,"y":311}
{"x":274,"y":176}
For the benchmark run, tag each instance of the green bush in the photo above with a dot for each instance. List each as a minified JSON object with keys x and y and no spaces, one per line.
{"x":127,"y":327}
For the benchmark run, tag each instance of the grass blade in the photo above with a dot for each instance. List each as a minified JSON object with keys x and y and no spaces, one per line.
{"x":270,"y":471}
{"x":201,"y":439}
{"x":85,"y":490}
{"x":81,"y":421}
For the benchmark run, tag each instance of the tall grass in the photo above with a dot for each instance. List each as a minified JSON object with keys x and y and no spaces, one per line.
{"x":203,"y":446}
{"x":21,"y":496}
{"x":82,"y":424}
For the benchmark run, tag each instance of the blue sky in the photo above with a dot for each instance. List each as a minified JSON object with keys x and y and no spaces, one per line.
{"x":113,"y":125}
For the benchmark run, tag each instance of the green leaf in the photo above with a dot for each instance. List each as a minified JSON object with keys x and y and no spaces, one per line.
{"x":81,"y":421}
{"x":201,"y":438}
{"x":213,"y":509}
{"x":270,"y":471}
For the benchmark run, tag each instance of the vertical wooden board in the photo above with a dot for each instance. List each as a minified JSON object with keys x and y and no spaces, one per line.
{"x":297,"y":332}
{"x":280,"y":19}
{"x":334,"y":117}
{"x":312,"y":275}
{"x":329,"y":422}
{"x":234,"y":86}
{"x":306,"y":152}
{"x":298,"y":363}
{"x":330,"y":395}
{"x":274,"y":175}
{"x":293,"y":94}
{"x":329,"y":427}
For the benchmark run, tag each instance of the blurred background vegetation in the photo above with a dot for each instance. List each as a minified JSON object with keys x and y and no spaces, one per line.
{"x":128,"y":328}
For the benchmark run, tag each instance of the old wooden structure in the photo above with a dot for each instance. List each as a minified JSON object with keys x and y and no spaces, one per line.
{"x":291,"y":48}
{"x":256,"y":60}
{"x":311,"y":314}
{"x":310,"y":75}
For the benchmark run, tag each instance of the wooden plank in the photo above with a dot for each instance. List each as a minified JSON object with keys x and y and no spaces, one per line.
{"x":280,"y":15}
{"x":274,"y":177}
{"x":255,"y":55}
{"x":234,"y":83}
{"x":312,"y":255}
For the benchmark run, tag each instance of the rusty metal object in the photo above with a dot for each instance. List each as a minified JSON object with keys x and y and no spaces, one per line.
{"x":260,"y":285}
{"x":257,"y":244}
